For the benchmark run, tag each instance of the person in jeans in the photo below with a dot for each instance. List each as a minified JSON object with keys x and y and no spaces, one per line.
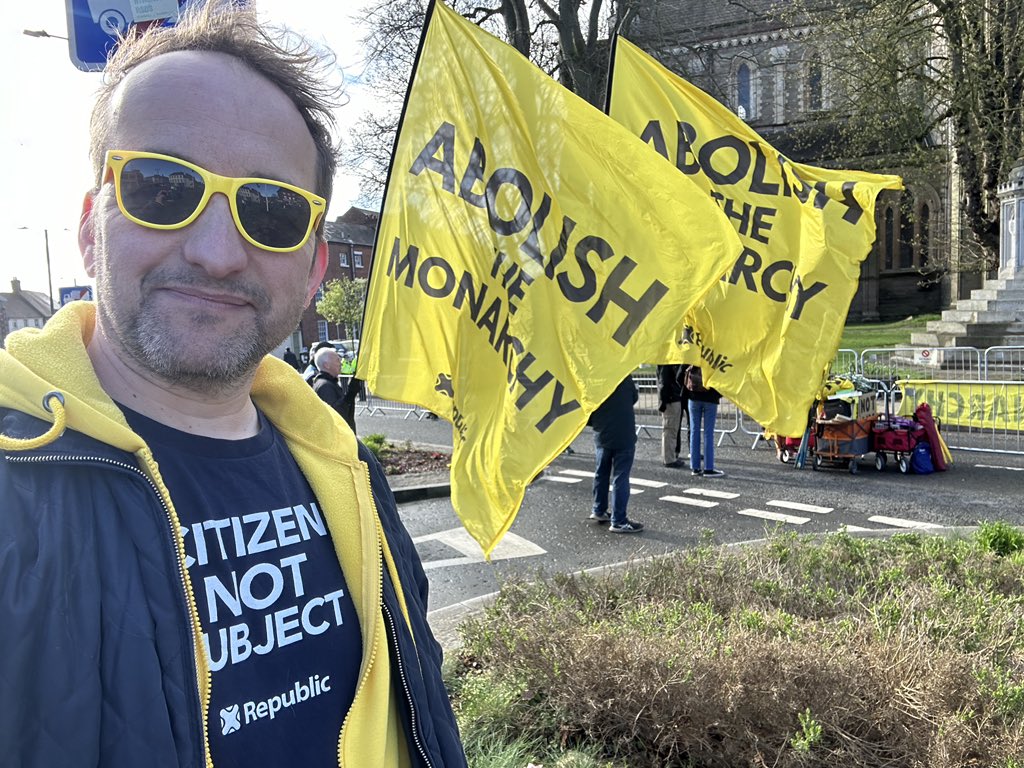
{"x":672,"y":404}
{"x":615,"y":443}
{"x":703,"y":408}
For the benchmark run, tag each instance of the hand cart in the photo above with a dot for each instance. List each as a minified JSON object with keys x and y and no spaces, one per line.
{"x":895,"y":436}
{"x":843,"y":442}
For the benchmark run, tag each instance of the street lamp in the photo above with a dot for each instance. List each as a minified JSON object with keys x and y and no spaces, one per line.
{"x":49,"y":277}
{"x":41,"y":33}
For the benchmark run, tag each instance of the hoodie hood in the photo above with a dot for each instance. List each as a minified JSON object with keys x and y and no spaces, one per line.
{"x":55,"y":359}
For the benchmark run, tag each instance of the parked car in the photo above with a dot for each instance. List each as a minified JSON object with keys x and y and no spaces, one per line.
{"x":347,"y":348}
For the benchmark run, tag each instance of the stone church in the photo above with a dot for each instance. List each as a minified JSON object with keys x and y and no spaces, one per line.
{"x":775,"y":77}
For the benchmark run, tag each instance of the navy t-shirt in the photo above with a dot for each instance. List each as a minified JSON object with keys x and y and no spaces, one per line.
{"x":279,"y":624}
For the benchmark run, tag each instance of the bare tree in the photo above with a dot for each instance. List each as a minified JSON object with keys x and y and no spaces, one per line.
{"x":566,"y":38}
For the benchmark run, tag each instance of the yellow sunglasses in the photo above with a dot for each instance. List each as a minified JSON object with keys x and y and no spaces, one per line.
{"x":164,"y":192}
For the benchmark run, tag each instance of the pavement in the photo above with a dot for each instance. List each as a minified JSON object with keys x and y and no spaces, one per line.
{"x":942,"y":502}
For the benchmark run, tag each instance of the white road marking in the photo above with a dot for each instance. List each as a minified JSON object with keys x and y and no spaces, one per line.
{"x":632,"y":491}
{"x":995,"y":466}
{"x":855,"y":528}
{"x":576,"y":473}
{"x":796,"y":506}
{"x":712,"y":494}
{"x":511,"y":546}
{"x":557,"y":479}
{"x":899,"y":522}
{"x":646,"y":483}
{"x":690,"y":501}
{"x":776,"y":516}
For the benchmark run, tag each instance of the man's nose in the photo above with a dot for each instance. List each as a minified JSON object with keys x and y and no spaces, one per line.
{"x":214,"y":242}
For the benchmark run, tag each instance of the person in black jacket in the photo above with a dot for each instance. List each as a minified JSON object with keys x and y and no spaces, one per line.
{"x":615,"y":443}
{"x":195,"y":572}
{"x":330,"y":389}
{"x":672,"y":402}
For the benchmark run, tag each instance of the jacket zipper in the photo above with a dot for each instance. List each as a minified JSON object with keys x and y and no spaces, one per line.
{"x":392,"y":638}
{"x":189,"y":599}
{"x":414,"y":721}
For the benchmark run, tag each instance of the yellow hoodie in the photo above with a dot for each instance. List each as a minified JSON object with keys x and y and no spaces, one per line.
{"x":54,"y":359}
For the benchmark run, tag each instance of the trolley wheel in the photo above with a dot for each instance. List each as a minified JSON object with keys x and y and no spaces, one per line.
{"x":904,"y":465}
{"x":785,"y":455}
{"x":854,"y":466}
{"x":880,"y":461}
{"x":817,"y":461}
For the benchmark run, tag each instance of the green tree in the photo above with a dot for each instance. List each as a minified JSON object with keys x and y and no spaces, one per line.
{"x":910,"y":75}
{"x":343,"y":303}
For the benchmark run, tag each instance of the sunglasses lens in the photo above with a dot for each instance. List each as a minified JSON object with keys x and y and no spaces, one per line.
{"x":160,"y":191}
{"x":273,"y":216}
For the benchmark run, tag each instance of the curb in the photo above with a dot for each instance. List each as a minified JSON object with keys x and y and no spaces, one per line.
{"x":421,"y":492}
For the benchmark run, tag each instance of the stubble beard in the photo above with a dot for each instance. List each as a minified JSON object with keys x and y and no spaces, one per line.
{"x":187,"y":352}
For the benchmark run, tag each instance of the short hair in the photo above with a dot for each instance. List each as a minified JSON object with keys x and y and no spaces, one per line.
{"x":317,"y":346}
{"x":321,"y":355}
{"x":287,"y":60}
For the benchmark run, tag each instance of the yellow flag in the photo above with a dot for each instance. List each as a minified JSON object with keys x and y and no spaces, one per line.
{"x":769,"y":329}
{"x":531,"y":253}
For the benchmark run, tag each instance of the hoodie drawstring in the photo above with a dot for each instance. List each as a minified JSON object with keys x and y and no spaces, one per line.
{"x":53,"y":402}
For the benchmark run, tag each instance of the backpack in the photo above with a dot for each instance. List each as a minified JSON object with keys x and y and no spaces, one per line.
{"x":695,"y":380}
{"x":921,"y":459}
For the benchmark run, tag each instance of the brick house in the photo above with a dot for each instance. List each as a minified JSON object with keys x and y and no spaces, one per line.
{"x":350,"y":254}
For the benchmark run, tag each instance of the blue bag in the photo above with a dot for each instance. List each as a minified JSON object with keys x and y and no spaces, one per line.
{"x":921,"y":459}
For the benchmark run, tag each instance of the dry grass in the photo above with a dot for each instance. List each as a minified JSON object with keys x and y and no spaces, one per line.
{"x":848,"y":652}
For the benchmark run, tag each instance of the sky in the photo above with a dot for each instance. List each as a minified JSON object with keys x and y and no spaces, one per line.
{"x":44,"y":130}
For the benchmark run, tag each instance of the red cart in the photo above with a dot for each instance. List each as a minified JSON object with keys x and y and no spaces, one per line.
{"x":897,"y":437}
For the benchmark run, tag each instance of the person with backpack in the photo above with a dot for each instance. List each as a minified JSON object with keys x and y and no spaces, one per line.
{"x":703,"y":408}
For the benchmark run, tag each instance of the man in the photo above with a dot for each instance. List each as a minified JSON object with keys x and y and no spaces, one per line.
{"x":615,"y":443}
{"x":194,"y":571}
{"x":311,"y":369}
{"x":290,"y":358}
{"x":672,"y":404}
{"x":329,"y":389}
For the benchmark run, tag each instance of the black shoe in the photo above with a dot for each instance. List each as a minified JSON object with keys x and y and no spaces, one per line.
{"x":601,"y":517}
{"x":696,"y":472}
{"x":629,"y":526}
{"x":714,"y":473}
{"x":675,"y":464}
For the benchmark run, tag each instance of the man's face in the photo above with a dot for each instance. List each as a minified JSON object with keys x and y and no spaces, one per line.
{"x":199,"y":307}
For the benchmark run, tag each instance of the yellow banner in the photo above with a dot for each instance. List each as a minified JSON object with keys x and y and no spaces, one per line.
{"x":972,"y":404}
{"x":531,"y":253}
{"x":765,"y":335}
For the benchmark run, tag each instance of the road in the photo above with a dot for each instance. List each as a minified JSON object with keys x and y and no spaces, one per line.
{"x":758,"y":494}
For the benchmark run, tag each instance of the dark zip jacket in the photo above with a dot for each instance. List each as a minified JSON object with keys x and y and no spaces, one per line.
{"x":102,"y":656}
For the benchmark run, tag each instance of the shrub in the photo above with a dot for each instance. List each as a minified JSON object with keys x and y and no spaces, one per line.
{"x":378,"y":444}
{"x":908,"y":651}
{"x":1001,"y":538}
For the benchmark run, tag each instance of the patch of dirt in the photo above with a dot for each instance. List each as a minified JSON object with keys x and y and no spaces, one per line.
{"x":401,"y":461}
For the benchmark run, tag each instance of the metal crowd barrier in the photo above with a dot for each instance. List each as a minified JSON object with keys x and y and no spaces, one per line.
{"x":956,"y":380}
{"x":377,"y":405}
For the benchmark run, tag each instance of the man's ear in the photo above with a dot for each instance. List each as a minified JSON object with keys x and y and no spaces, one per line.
{"x":87,"y":234}
{"x":317,"y":270}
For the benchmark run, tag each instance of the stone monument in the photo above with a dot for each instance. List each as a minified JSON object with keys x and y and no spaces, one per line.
{"x":994,"y":315}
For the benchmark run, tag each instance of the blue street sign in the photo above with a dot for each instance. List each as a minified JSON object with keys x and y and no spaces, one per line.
{"x":75,"y":293}
{"x":95,"y":25}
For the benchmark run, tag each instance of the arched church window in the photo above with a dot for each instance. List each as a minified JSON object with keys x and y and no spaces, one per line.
{"x":744,"y":100}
